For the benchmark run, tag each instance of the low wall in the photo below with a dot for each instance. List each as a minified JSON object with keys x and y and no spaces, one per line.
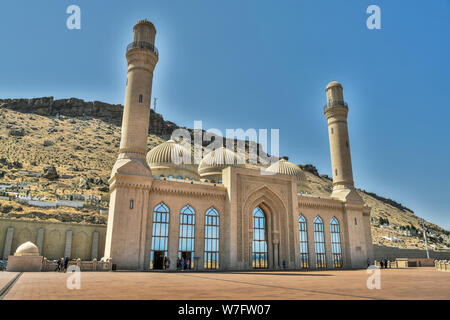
{"x":392,"y":253}
{"x":442,"y":265}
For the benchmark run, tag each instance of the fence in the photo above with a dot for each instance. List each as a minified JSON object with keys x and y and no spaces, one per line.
{"x":94,"y":265}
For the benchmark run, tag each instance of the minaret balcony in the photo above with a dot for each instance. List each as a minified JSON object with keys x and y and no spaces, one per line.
{"x":143,"y":45}
{"x":332,"y":103}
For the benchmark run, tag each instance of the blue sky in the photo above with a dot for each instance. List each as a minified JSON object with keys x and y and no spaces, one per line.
{"x":264,"y":64}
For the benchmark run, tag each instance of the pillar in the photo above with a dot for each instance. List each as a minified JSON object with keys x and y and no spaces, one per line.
{"x":276,"y":264}
{"x":94,"y":248}
{"x":40,"y":240}
{"x":68,"y":246}
{"x":8,"y":243}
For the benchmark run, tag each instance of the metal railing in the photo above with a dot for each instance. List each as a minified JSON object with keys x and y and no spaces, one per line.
{"x":143,"y":45}
{"x":332,"y":103}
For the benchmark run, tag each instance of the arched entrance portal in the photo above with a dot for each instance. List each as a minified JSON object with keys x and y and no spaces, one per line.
{"x":259,"y":244}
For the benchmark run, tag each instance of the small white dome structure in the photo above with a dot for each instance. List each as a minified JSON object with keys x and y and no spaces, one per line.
{"x":27,"y":249}
{"x":26,"y":258}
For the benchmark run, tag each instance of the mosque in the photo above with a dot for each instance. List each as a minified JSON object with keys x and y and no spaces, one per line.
{"x":221,"y":215}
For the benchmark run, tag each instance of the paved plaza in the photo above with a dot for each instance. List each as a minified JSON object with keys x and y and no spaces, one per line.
{"x":412,"y":283}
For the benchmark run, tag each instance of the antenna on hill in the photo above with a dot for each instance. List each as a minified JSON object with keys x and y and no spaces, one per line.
{"x":154,"y":103}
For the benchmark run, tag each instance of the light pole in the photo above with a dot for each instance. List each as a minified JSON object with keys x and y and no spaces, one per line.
{"x":426,"y":239}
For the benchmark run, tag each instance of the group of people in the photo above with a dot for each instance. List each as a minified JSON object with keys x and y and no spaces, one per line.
{"x":183,"y":264}
{"x":383,"y":263}
{"x":62,"y":264}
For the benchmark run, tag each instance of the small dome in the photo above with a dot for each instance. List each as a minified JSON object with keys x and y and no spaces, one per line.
{"x":214,"y":162}
{"x":333,"y":84}
{"x":27,"y":249}
{"x":283,"y":166}
{"x":166,"y":153}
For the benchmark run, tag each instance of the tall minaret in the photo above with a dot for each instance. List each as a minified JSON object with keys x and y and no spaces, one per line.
{"x":142,"y":57}
{"x":131,"y":177}
{"x":336,"y":112}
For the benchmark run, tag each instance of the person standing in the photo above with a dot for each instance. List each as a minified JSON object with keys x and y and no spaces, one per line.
{"x":188,"y":264}
{"x":167,"y":263}
{"x":66,"y":262}
{"x":58,"y":265}
{"x":182,"y":263}
{"x":381,"y":263}
{"x":178,"y":263}
{"x":368,"y":262}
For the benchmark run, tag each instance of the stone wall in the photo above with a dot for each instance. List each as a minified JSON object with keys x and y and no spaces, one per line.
{"x":392,"y":253}
{"x":54,"y":239}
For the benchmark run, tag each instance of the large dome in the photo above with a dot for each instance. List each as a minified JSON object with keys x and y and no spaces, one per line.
{"x":283,"y":166}
{"x":167,"y":153}
{"x":214,"y":162}
{"x":173,"y":160}
{"x":27,"y":249}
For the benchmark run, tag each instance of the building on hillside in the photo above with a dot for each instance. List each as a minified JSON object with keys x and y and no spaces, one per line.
{"x":226,"y":216}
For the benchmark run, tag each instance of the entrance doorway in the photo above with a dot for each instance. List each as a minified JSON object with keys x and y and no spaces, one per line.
{"x":187,"y":255}
{"x":158,"y":260}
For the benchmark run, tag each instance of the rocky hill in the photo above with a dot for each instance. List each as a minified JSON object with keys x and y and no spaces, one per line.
{"x":65,"y":149}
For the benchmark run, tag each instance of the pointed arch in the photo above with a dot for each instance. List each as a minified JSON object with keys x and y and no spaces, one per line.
{"x":319,"y":243}
{"x":212,"y":236}
{"x":303,"y":236}
{"x":160,"y":236}
{"x":336,"y":243}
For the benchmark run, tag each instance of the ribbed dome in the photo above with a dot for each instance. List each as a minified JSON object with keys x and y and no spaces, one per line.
{"x":216,"y":160}
{"x":288,"y":168}
{"x":27,"y":249}
{"x":166,"y":153}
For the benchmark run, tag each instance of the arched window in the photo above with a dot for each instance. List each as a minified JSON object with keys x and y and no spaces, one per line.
{"x":259,"y":247}
{"x":304,"y":263}
{"x":211,"y":239}
{"x":319,"y":243}
{"x":141,"y":98}
{"x":187,"y":236}
{"x":336,"y":243}
{"x":160,"y":236}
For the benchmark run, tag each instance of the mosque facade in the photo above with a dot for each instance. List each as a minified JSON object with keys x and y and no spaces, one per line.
{"x":221,"y":215}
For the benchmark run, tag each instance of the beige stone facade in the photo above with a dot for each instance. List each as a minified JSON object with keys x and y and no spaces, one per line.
{"x":227,"y":217}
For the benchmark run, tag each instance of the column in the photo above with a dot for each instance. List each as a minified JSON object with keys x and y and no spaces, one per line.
{"x":68,"y":247}
{"x":94,"y":249}
{"x":40,"y":240}
{"x":8,"y":243}
{"x":275,"y":254}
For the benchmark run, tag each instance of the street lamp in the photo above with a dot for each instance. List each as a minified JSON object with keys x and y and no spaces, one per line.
{"x":425,"y":236}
